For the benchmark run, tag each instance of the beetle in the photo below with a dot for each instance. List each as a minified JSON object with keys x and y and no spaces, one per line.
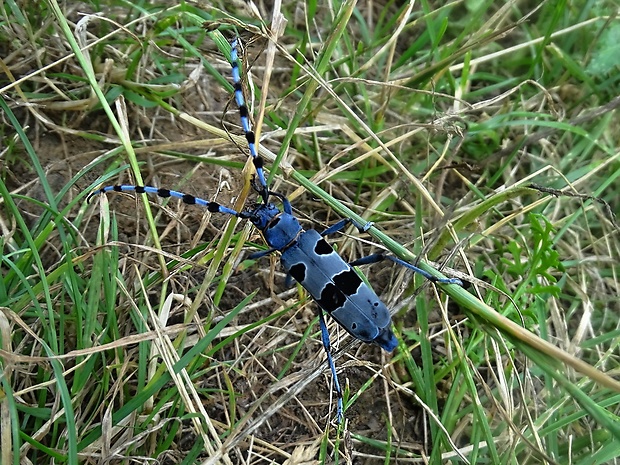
{"x":305,"y":254}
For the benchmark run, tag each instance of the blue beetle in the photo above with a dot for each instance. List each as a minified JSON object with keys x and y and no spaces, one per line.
{"x":305,"y":254}
{"x":309,"y":259}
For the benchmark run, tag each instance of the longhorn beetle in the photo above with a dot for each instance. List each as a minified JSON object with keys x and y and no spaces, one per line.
{"x":305,"y":254}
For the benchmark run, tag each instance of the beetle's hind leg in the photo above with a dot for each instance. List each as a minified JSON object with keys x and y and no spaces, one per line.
{"x":330,"y":361}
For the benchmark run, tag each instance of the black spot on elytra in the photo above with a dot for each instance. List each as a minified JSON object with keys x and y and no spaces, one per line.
{"x":360,"y":332}
{"x":348,"y":281}
{"x":331,"y":298}
{"x":323,"y":248}
{"x":298,"y":272}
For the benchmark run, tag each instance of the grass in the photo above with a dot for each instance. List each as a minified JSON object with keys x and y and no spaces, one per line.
{"x":479,"y":136}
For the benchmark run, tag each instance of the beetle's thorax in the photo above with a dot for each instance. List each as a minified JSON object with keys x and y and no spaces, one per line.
{"x":279,"y":228}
